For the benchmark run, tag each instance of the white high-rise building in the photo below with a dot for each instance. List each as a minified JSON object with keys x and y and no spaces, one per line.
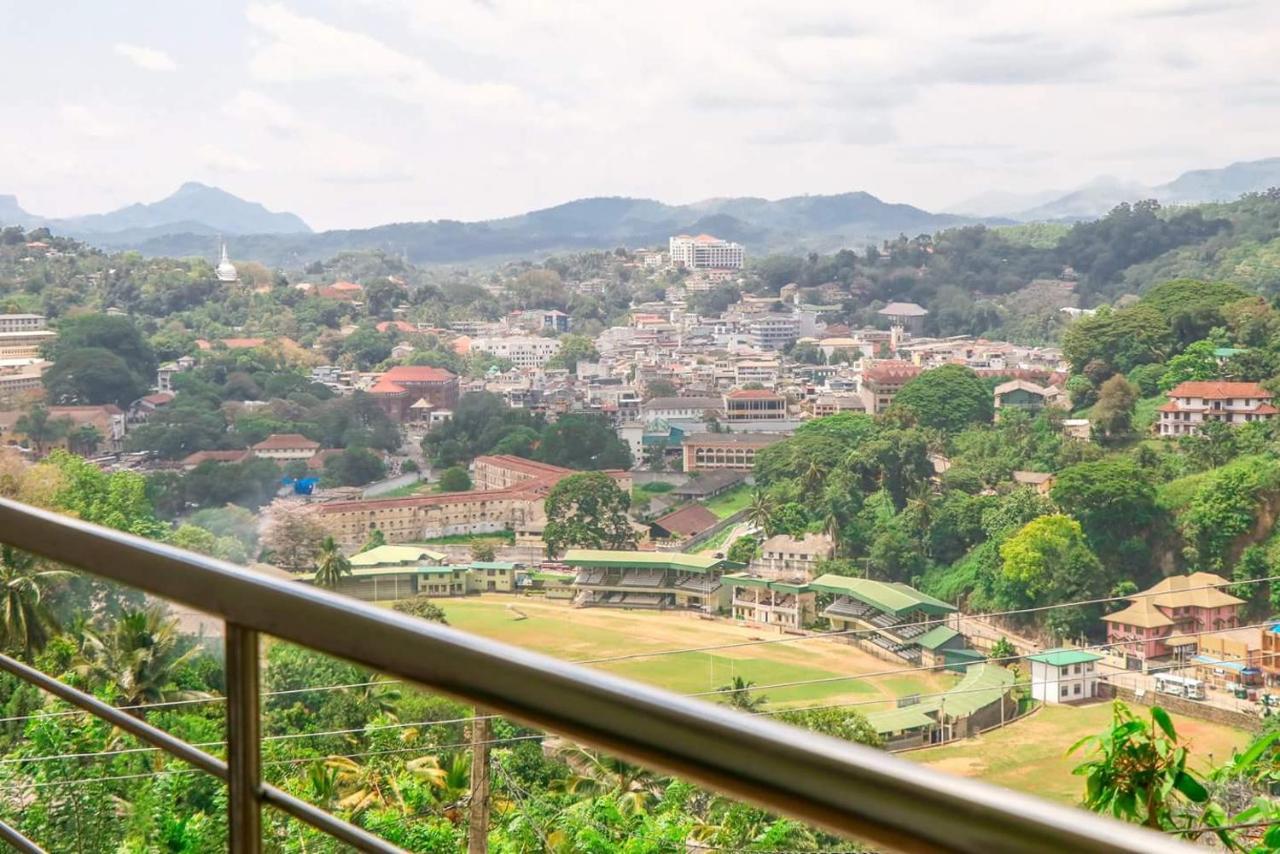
{"x":706,"y":252}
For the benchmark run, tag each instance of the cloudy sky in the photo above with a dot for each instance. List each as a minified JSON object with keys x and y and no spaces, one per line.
{"x":357,"y":113}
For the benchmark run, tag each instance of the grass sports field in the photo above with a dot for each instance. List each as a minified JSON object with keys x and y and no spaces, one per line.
{"x":1029,"y":755}
{"x":587,"y":633}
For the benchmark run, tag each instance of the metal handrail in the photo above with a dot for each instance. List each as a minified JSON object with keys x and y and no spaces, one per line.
{"x":847,"y":788}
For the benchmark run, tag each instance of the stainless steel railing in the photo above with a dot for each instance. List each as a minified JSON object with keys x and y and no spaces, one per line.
{"x":846,"y":788}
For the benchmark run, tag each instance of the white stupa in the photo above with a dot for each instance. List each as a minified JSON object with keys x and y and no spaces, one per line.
{"x":227,"y":270}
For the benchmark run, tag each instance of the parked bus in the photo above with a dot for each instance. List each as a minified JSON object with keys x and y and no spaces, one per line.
{"x":1180,"y":686}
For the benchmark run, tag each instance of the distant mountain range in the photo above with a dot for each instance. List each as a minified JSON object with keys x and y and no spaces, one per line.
{"x":1099,"y":196}
{"x":194,"y":208}
{"x":818,"y":223}
{"x":183,"y":223}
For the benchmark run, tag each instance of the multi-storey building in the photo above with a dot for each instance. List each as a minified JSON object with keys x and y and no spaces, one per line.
{"x":1194,"y":403}
{"x":705,"y":251}
{"x":787,"y":603}
{"x":831,"y":404}
{"x":24,"y":344}
{"x":21,"y":377}
{"x":397,"y":390}
{"x":711,"y":451}
{"x":516,"y":507}
{"x":523,"y":351}
{"x":881,"y":382}
{"x":21,"y":322}
{"x":773,"y":331}
{"x":787,"y":556}
{"x":755,"y":405}
{"x":1163,"y":620}
{"x":677,"y":408}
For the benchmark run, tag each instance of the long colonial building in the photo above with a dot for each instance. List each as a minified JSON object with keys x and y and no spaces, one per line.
{"x":510,"y":496}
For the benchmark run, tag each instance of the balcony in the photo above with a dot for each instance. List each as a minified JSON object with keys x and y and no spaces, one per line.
{"x":848,"y":789}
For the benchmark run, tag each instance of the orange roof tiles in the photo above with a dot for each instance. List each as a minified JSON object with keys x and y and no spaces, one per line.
{"x":1219,"y":390}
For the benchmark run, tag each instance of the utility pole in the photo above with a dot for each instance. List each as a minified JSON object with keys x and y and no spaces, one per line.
{"x":478,"y":817}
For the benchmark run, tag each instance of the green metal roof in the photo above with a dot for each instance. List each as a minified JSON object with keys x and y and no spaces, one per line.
{"x":388,"y":571}
{"x":490,"y":564}
{"x":890,"y":597}
{"x":982,"y":685}
{"x":1063,"y":657}
{"x":388,"y":555}
{"x":647,"y":560}
{"x":898,"y":720}
{"x":937,"y":636}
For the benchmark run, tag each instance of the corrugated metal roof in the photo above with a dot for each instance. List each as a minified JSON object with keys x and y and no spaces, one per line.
{"x":890,"y":597}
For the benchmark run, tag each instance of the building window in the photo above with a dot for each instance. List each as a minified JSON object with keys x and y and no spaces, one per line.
{"x":1063,"y":692}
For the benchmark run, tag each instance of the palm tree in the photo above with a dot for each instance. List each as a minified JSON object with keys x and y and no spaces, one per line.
{"x":363,"y":786}
{"x":634,"y":787}
{"x":139,"y":657}
{"x":760,"y":511}
{"x":332,"y":565}
{"x":738,"y":695}
{"x":813,"y":478}
{"x":25,"y":621}
{"x":833,"y":527}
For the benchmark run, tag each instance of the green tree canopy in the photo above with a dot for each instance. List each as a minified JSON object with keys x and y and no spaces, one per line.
{"x":93,"y":375}
{"x":590,"y":511}
{"x":949,"y":398}
{"x":455,"y":479}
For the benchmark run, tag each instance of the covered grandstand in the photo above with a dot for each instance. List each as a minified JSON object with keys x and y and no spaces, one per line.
{"x":890,"y":618}
{"x":654,"y":580}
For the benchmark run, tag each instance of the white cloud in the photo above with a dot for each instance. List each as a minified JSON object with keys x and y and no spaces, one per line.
{"x":257,"y":108}
{"x":219,"y":159}
{"x":148,"y":58}
{"x":88,"y":121}
{"x":303,"y":49}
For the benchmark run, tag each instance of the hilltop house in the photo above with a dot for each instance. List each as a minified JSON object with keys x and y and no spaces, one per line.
{"x":1194,"y":403}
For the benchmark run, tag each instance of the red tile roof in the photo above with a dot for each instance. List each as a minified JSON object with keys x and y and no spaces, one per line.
{"x":285,"y":442}
{"x":754,"y":394}
{"x":1219,"y":390}
{"x":418,"y":374}
{"x":687,"y":521}
{"x":400,"y":325}
{"x":888,"y":371}
{"x":217,"y":456}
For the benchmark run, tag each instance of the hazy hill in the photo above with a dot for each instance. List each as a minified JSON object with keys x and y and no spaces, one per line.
{"x":193,"y":202}
{"x":1194,"y":187}
{"x":1221,"y":185}
{"x":819,"y":223}
{"x":194,"y":208}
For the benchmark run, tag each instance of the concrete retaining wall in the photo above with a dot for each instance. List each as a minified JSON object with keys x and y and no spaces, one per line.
{"x":1182,"y":706}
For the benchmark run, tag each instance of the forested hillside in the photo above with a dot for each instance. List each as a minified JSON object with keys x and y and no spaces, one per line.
{"x":1124,"y":508}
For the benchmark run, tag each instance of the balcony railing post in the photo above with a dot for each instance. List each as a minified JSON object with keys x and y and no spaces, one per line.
{"x":244,"y":759}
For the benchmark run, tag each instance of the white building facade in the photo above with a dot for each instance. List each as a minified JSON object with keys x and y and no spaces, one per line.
{"x":1064,"y":675}
{"x":706,"y":252}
